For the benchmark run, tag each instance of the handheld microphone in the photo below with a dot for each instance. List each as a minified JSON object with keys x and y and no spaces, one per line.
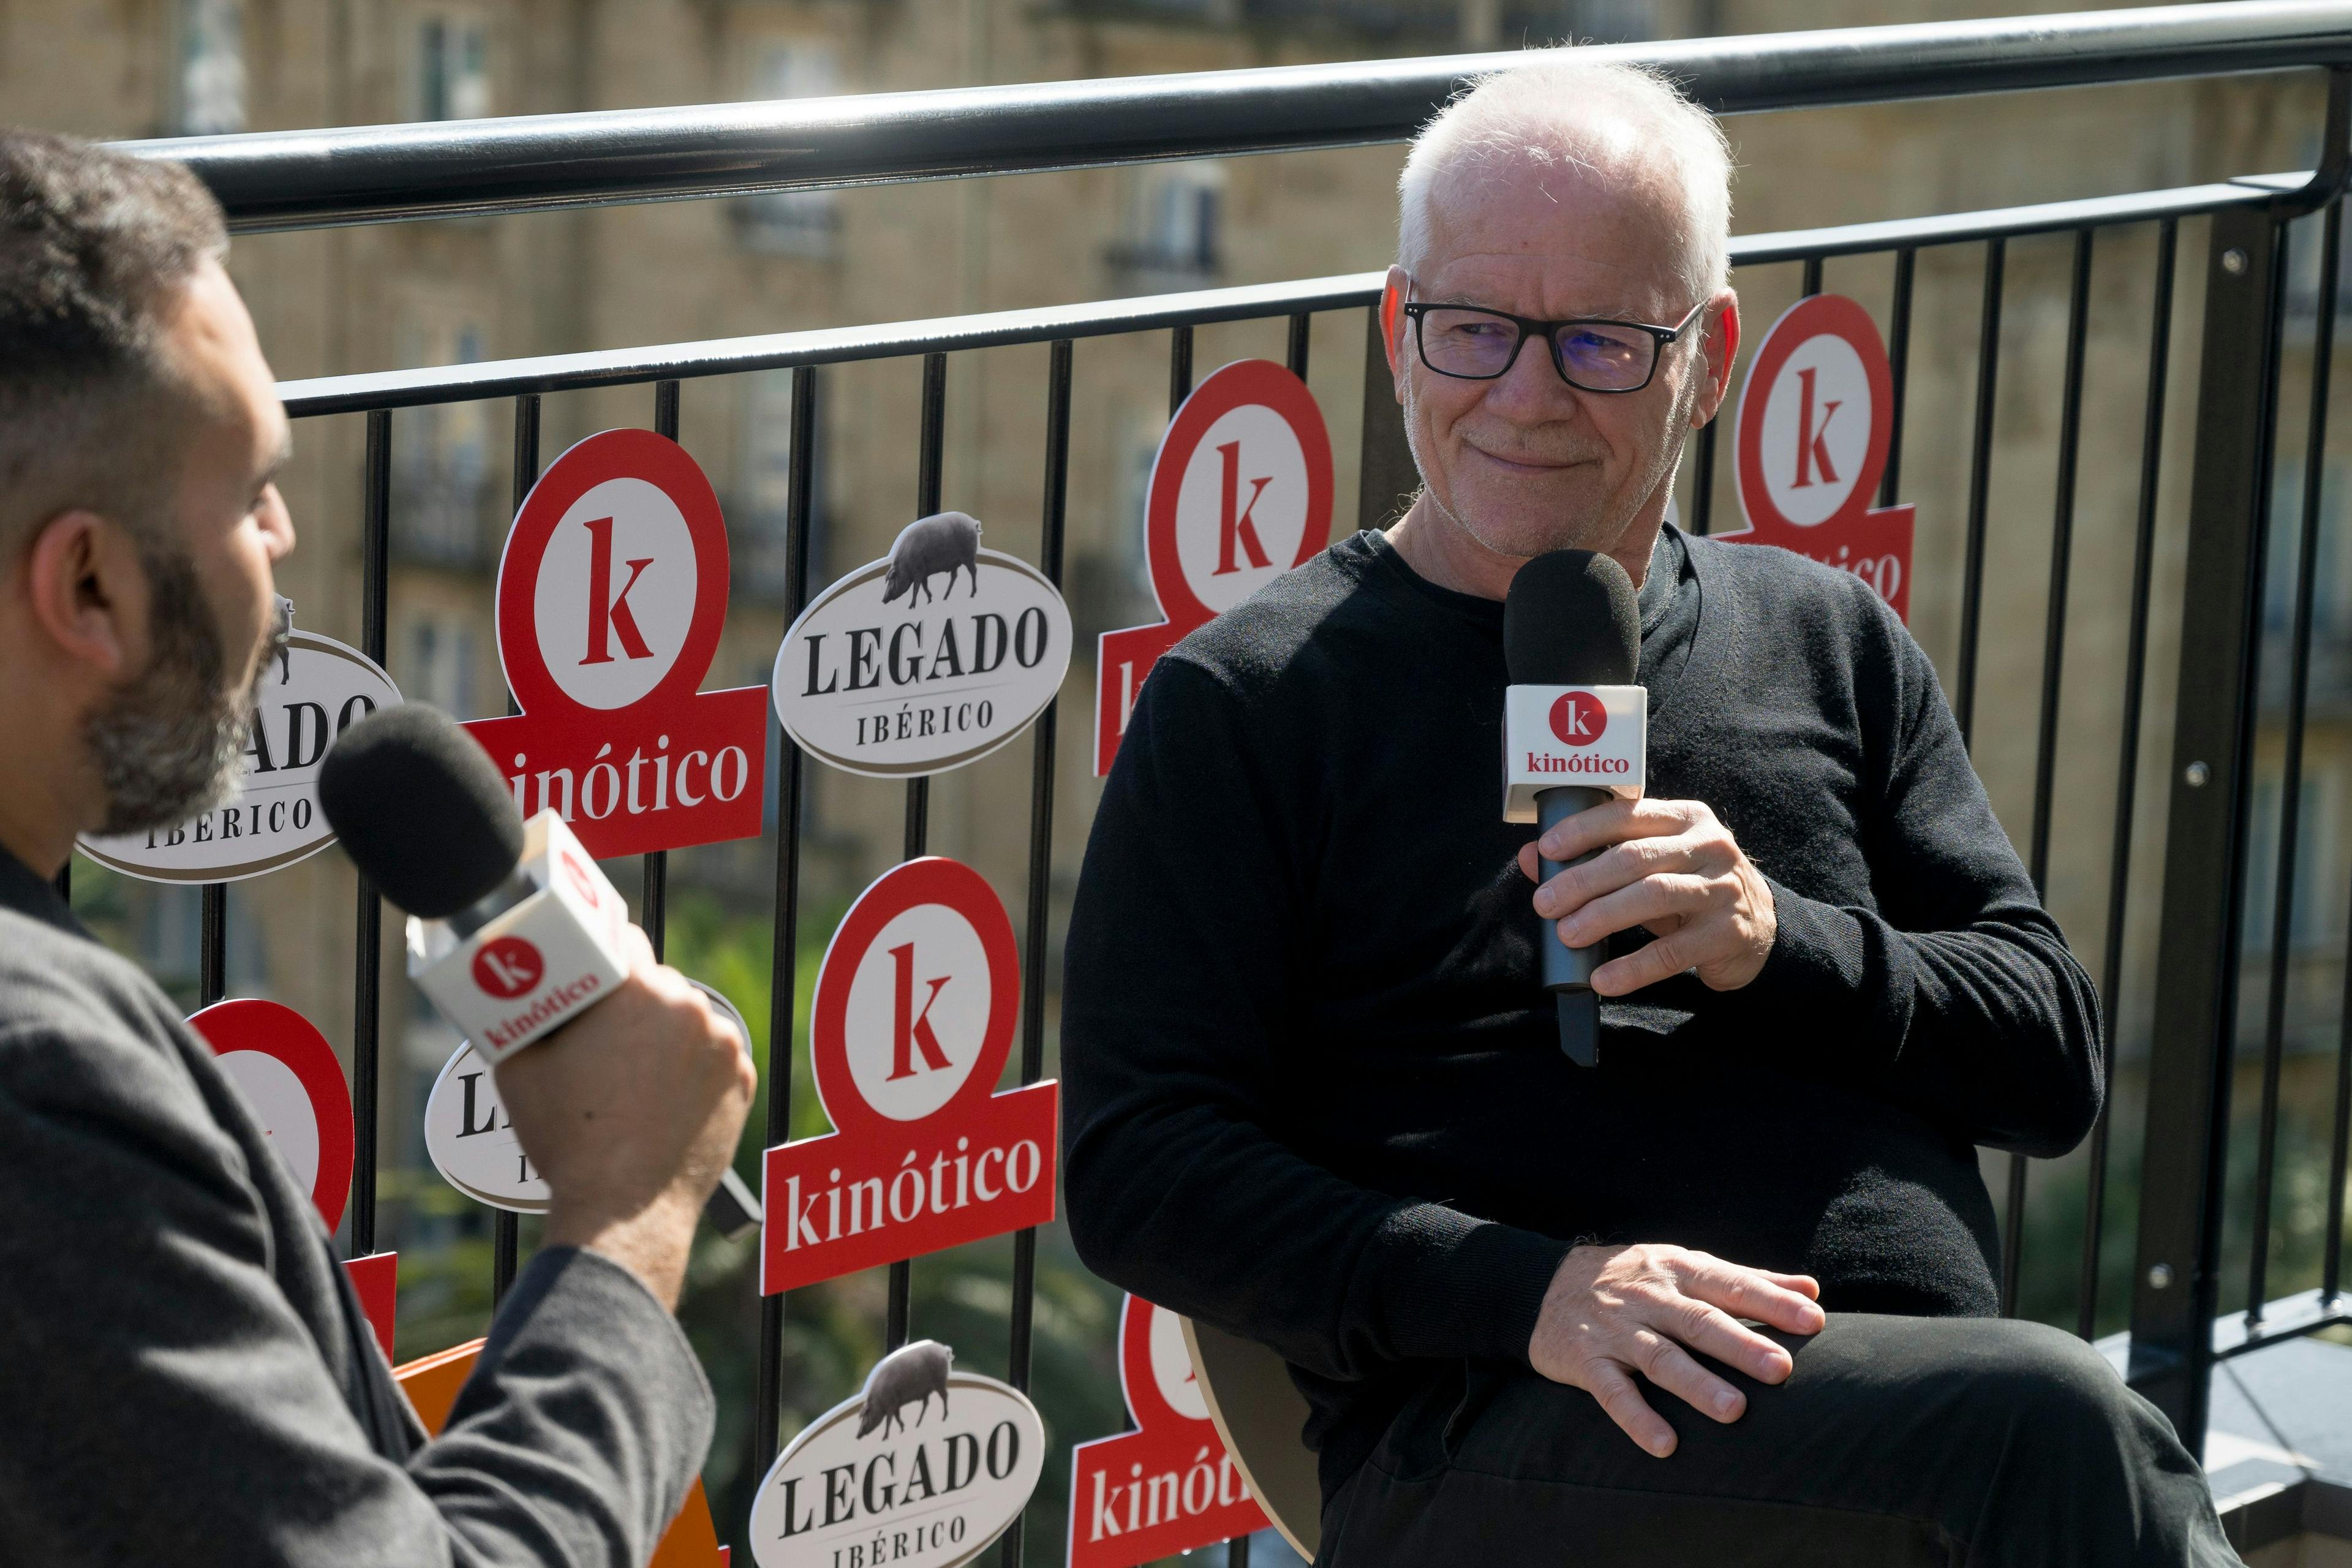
{"x":1575,"y":732}
{"x":513,"y":929}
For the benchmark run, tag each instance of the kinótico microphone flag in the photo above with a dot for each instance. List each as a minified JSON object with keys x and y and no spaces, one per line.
{"x":611,"y":594}
{"x":916,"y":1002}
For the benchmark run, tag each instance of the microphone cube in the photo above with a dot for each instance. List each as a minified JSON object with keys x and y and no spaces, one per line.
{"x":1592,"y":737}
{"x":537,"y":965}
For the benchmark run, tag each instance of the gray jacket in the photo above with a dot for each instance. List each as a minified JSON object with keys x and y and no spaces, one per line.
{"x":185,"y":1375}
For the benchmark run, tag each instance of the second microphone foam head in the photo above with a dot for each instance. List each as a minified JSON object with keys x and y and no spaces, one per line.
{"x":1571,"y":619}
{"x":421,"y":810}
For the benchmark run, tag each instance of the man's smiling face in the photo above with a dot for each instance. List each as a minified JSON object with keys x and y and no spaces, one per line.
{"x":1527,"y":463}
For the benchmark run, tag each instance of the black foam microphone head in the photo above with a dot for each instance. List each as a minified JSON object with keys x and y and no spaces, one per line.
{"x":1571,"y":619}
{"x":421,"y":810}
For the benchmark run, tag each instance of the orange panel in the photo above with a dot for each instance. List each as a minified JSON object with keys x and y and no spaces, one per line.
{"x":432,"y":1385}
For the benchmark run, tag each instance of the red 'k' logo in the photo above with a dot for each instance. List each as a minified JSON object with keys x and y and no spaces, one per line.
{"x":1579,"y":719}
{"x":507,"y":967}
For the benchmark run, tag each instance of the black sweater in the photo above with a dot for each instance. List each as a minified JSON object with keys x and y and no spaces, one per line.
{"x":1314,"y":1094}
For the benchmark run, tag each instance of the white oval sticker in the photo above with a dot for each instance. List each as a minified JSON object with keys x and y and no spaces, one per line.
{"x":473,"y":1145}
{"x":317,"y":689}
{"x":926,"y":1468}
{"x":891,"y":673}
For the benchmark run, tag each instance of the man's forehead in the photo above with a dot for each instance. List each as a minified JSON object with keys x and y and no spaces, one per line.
{"x":1597,"y":240}
{"x":219,"y":353}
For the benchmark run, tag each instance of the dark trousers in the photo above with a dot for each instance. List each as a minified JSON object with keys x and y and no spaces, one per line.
{"x":1896,"y":1443}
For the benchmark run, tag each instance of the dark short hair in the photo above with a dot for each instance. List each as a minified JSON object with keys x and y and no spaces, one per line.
{"x":92,"y":244}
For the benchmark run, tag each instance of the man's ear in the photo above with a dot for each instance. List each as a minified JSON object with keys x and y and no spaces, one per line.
{"x":1720,"y":345}
{"x":1391,"y":319}
{"x":86,"y":593}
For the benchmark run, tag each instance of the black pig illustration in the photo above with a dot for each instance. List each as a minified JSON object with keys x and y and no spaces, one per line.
{"x":904,"y":1377}
{"x":946,"y":541}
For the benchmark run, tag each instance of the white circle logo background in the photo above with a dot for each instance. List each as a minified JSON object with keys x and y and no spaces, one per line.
{"x":1270,"y":451}
{"x":945,"y":944}
{"x":646,"y":524}
{"x":1171,"y":1367}
{"x":1839,"y":377}
{"x":284,"y":1106}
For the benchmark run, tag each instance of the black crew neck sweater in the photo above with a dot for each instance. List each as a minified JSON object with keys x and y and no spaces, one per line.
{"x":1314,"y":1094}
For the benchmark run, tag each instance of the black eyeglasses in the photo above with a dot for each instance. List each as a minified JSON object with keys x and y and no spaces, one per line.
{"x":1471,"y":342}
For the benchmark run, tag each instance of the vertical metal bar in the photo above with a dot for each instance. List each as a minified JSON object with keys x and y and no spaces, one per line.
{"x":1301,"y":328}
{"x":1898,"y":359}
{"x":1385,"y":472}
{"x":2323,"y":350}
{"x":506,"y":1248}
{"x":62,"y":883}
{"x":918,"y":790}
{"x":783,"y":962}
{"x":1702,"y":516}
{"x":1979,"y":480}
{"x":2331,"y":1264}
{"x":211,"y":953}
{"x":655,"y":901}
{"x":367,"y":970}
{"x":2053,"y":661}
{"x":1180,"y":368}
{"x":1812,"y":284}
{"x":505,"y":1236}
{"x":2111,"y":977}
{"x":1041,"y":854}
{"x":2197,"y":946}
{"x":1237,"y":1552}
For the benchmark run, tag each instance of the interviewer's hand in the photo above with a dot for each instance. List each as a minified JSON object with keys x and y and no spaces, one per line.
{"x":630,"y":1114}
{"x":1613,"y":1311}
{"x":1670,"y":867}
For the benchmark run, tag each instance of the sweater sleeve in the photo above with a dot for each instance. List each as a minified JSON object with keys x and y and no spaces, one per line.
{"x":1176,"y":1049}
{"x":188,"y":1416}
{"x":1957,"y":992}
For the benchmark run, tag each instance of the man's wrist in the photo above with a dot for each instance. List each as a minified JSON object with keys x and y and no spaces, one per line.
{"x":653,"y":1242}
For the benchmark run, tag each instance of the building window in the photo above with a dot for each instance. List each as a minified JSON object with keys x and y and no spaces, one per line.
{"x":792,"y":223}
{"x":440,"y":663}
{"x":1175,"y":228}
{"x":441,"y":453}
{"x":209,"y":87}
{"x":453,"y":71}
{"x":764,"y":490}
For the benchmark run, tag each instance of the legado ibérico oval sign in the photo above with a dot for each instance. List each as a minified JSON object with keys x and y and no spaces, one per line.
{"x":472,"y":1144}
{"x":924,"y":1467}
{"x":928,"y":658}
{"x":318,"y":689}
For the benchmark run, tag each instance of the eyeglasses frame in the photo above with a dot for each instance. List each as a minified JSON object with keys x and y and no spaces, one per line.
{"x":1530,"y":326}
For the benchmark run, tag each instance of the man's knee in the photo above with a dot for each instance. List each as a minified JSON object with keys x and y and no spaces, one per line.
{"x":2045,"y":1385}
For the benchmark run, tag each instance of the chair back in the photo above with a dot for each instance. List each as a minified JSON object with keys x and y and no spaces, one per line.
{"x":1261,"y":1415}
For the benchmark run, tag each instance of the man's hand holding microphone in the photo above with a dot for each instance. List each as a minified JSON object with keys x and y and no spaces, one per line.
{"x":1603,"y":863}
{"x":630,"y":1109}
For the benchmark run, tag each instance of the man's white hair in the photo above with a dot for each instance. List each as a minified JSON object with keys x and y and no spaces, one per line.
{"x":1566,"y":107}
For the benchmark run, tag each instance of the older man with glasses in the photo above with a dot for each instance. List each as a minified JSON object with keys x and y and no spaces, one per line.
{"x":1729,"y":1297}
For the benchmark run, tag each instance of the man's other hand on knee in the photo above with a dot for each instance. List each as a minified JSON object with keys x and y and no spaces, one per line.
{"x":1613,"y":1311}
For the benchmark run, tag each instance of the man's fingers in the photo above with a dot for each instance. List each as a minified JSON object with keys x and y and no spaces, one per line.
{"x":1711,"y":1332}
{"x":1668,"y":957}
{"x":1670,"y":1366}
{"x":1624,"y":1404}
{"x":1618,"y":867}
{"x":1660,"y":900}
{"x":1804,"y":1285}
{"x":1750,"y":1293}
{"x":1613,"y":822}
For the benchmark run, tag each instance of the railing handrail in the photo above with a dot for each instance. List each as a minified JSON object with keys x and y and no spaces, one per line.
{"x":1000,"y":329}
{"x":306,"y":178}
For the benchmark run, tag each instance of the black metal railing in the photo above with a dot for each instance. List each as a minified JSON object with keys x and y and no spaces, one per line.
{"x":2176,"y":1332}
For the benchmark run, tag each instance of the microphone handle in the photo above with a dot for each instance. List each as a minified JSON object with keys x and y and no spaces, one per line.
{"x":1568,"y":970}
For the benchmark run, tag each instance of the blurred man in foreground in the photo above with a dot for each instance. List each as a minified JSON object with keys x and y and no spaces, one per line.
{"x":188,"y":1375}
{"x":1729,"y":1297}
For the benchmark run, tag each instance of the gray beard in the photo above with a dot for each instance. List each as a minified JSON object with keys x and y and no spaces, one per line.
{"x":169,"y":745}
